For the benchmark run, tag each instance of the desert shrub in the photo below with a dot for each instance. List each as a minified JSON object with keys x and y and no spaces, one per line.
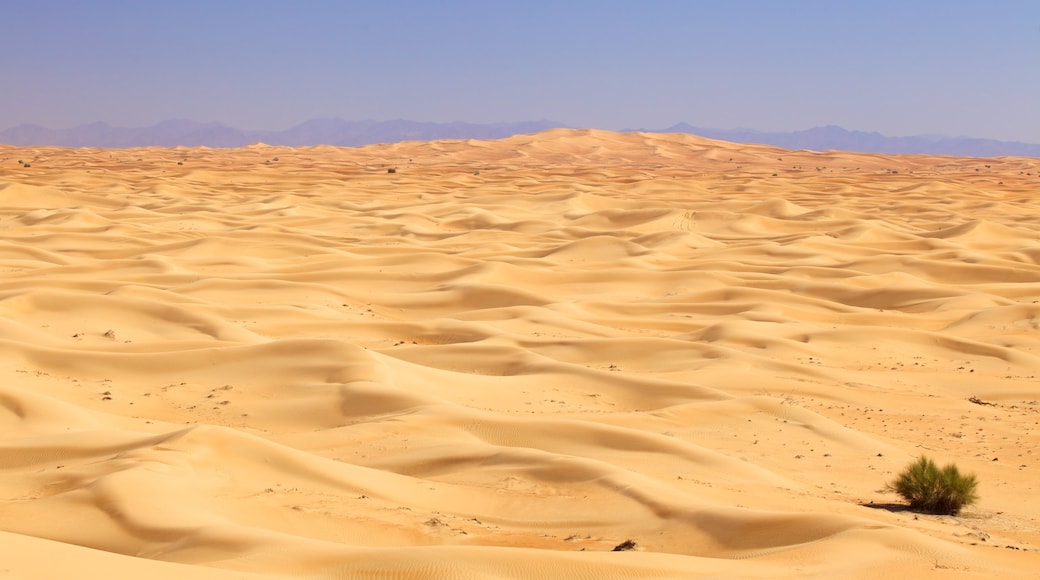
{"x":933,"y":490}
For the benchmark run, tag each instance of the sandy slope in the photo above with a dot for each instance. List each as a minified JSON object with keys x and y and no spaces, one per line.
{"x":510,"y":356}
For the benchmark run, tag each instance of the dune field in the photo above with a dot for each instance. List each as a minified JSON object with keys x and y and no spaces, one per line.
{"x":506,"y":358}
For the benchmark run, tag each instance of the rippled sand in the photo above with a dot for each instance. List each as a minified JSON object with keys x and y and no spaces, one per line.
{"x":508,"y":357}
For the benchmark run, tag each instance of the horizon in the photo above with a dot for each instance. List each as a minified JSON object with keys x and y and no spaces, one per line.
{"x":953,"y":68}
{"x":669,"y":128}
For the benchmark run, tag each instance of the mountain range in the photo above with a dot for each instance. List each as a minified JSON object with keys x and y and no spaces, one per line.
{"x":837,"y":138}
{"x":344,"y":133}
{"x":314,"y":132}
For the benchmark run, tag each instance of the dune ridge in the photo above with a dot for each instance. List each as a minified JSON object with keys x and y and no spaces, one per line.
{"x":507,"y":357}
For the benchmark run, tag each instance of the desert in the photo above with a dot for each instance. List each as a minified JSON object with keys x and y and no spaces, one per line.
{"x":506,"y":358}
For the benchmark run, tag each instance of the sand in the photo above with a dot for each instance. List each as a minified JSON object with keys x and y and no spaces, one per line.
{"x":508,"y":357}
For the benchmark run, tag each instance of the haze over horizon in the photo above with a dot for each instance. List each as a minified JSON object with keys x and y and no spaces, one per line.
{"x":953,"y":68}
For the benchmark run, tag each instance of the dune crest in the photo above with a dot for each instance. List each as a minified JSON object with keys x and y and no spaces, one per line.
{"x":503,"y":359}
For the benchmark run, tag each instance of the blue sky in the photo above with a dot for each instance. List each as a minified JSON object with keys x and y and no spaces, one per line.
{"x":908,"y":67}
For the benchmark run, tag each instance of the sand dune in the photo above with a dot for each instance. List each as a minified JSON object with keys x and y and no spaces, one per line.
{"x":508,"y":357}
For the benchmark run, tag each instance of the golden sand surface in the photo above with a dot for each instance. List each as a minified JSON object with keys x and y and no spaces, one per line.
{"x":508,"y":357}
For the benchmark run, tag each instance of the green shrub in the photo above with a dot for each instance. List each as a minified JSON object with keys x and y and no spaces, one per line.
{"x":933,"y":490}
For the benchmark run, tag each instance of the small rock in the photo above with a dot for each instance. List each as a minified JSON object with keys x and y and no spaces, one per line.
{"x":625,"y":546}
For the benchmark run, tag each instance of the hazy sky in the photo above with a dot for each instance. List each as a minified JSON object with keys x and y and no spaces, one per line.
{"x":906,"y":67}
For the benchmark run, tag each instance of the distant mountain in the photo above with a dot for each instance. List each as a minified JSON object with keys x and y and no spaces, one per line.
{"x":165,"y":134}
{"x":356,"y":133}
{"x":314,"y":132}
{"x":836,"y":138}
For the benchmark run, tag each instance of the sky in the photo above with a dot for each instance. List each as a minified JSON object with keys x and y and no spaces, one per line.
{"x":950,"y":67}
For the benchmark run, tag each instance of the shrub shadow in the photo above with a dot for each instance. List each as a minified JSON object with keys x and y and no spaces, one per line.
{"x":891,"y":507}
